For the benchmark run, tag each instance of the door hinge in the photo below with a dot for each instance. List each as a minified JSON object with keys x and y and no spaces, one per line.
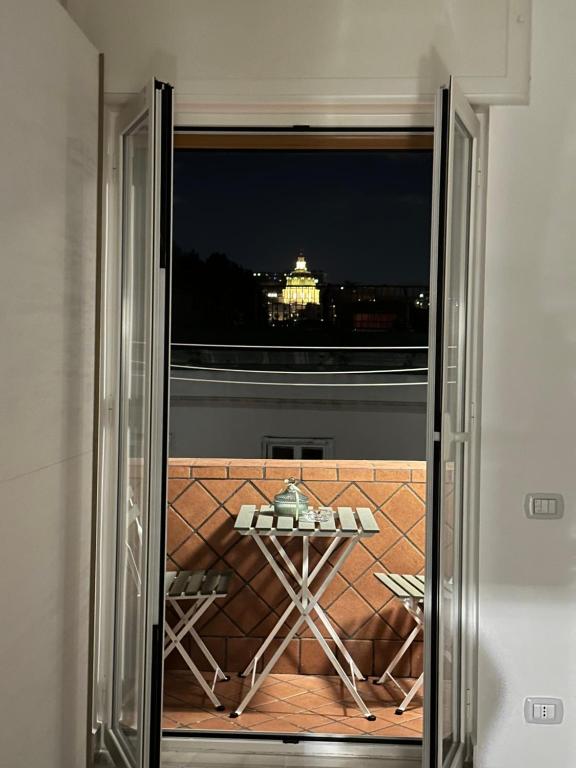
{"x":111,"y":155}
{"x":469,"y":713}
{"x":108,"y":410}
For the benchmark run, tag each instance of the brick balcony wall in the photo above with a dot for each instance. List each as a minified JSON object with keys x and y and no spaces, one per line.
{"x":206,"y":494}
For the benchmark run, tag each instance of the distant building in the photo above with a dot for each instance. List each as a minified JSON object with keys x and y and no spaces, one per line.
{"x":384,"y":308}
{"x":292,"y":297}
{"x":304,"y":297}
{"x":301,"y":286}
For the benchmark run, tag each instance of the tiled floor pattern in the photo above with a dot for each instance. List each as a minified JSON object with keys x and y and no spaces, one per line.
{"x":290,"y":704}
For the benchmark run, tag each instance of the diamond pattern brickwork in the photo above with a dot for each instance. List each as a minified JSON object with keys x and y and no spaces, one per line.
{"x":206,"y":494}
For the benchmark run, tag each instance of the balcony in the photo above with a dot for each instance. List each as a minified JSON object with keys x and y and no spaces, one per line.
{"x":303,"y":694}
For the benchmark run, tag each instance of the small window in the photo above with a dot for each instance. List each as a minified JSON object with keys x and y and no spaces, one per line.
{"x":282,"y":452}
{"x":309,"y":452}
{"x":307,"y":448}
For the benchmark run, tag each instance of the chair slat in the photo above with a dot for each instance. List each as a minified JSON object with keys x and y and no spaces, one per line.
{"x":245,"y":517}
{"x":169,"y":577}
{"x":367,"y":520}
{"x":222,"y":588}
{"x":413,"y":591}
{"x":347,"y":519}
{"x":194,"y":582}
{"x":390,"y":581}
{"x":210,"y":583}
{"x":416,"y":581}
{"x":330,"y":524}
{"x":179,"y":583}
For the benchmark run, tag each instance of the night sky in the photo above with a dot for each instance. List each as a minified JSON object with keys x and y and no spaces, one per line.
{"x":361,"y":216}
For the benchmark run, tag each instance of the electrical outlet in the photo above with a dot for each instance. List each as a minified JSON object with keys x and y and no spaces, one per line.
{"x":543,"y":711}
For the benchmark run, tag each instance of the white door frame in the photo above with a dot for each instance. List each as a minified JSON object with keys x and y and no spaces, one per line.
{"x":363,"y":115}
{"x":464,"y":750}
{"x":116,"y":118}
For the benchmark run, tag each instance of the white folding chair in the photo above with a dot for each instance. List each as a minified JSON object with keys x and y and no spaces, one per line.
{"x":409,"y":590}
{"x":201,"y":588}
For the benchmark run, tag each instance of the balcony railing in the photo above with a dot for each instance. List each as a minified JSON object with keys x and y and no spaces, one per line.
{"x":298,"y":366}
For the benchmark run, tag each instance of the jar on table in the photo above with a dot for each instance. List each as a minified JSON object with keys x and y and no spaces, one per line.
{"x":291,"y":502}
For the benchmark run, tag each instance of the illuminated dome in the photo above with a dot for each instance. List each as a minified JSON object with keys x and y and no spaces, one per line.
{"x":301,"y":288}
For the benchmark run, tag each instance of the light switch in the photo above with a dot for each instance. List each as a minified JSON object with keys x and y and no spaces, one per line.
{"x":544,"y":506}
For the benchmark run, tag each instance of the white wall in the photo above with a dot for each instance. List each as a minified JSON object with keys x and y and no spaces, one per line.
{"x":364,"y":423}
{"x":528,"y":568}
{"x":48,"y":156}
{"x":245,"y":50}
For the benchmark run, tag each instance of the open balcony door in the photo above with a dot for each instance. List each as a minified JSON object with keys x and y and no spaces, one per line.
{"x":450,"y":423}
{"x":132,"y":734}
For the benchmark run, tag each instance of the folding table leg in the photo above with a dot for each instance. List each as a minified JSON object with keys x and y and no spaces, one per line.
{"x":260,"y":652}
{"x":312,"y":600}
{"x":321,"y":615}
{"x":282,"y":620}
{"x":305,"y":584}
{"x":267,"y":669}
{"x":340,"y":670}
{"x":340,"y":645}
{"x":410,"y":695}
{"x":350,"y":685}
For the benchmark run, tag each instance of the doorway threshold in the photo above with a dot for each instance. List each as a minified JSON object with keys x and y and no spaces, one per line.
{"x":178,"y":752}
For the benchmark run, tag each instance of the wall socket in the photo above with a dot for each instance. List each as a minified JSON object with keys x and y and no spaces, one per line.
{"x":543,"y":710}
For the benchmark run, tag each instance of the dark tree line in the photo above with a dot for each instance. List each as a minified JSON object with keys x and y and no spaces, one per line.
{"x":213,"y":295}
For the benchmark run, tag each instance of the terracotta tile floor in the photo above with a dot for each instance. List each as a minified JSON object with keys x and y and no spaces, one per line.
{"x":289,"y":704}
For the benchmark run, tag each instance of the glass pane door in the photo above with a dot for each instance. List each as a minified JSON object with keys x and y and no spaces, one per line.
{"x":134,"y":468}
{"x":449,"y":429}
{"x":453,"y":438}
{"x":145,"y":179}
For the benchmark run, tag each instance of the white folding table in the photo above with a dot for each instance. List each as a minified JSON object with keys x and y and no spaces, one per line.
{"x":409,"y":590}
{"x":345,"y":527}
{"x":200,"y":588}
